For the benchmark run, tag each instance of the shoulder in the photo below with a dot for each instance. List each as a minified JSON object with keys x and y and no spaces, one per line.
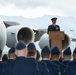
{"x":40,"y":63}
{"x":50,"y":26}
{"x":57,"y":26}
{"x":72,"y":63}
{"x":54,"y":65}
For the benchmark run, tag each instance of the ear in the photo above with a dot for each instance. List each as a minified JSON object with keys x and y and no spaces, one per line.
{"x":35,"y":55}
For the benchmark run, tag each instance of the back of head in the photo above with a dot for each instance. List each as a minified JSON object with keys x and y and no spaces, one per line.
{"x":45,"y":53}
{"x":31,"y":49}
{"x":67,"y":53}
{"x":11,"y":53}
{"x":21,"y":49}
{"x":4,"y":58}
{"x":55,"y":53}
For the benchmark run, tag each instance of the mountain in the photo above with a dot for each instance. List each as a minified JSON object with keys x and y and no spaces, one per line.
{"x":65,"y":23}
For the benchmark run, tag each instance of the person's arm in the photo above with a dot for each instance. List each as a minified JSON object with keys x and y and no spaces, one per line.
{"x":58,"y":28}
{"x":48,"y":30}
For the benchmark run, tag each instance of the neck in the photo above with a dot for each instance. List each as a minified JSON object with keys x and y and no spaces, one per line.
{"x":67,"y":59}
{"x":55,"y":59}
{"x":21,"y":56}
{"x":30,"y":57}
{"x":45,"y":59}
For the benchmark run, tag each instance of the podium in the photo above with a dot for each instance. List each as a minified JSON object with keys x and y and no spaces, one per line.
{"x":56,"y":38}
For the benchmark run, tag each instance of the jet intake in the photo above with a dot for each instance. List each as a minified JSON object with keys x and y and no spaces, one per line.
{"x":16,"y":33}
{"x":25,"y":35}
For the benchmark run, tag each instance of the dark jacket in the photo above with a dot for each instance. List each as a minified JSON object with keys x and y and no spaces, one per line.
{"x":53,"y":68}
{"x":53,"y":28}
{"x":43,"y":68}
{"x":22,"y":66}
{"x":62,"y":66}
{"x":71,"y":68}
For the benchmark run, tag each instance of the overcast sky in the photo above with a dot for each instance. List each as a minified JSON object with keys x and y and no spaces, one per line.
{"x":37,"y":8}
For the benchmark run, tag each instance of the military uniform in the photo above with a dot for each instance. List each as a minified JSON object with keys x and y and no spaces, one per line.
{"x":6,"y":67}
{"x":67,"y":52}
{"x":53,"y":27}
{"x":9,"y":61}
{"x":71,"y":68}
{"x":39,"y":65}
{"x":1,"y":68}
{"x":56,"y":51}
{"x":61,"y":66}
{"x":53,"y":69}
{"x":74,"y":54}
{"x":66,"y":62}
{"x":21,"y":65}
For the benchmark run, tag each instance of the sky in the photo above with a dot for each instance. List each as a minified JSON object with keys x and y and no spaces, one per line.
{"x":38,"y":8}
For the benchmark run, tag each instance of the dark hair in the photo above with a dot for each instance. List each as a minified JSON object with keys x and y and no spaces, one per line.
{"x":44,"y":54}
{"x":31,"y":52}
{"x":4,"y":58}
{"x":54,"y":55}
{"x":0,"y":51}
{"x":38,"y":55}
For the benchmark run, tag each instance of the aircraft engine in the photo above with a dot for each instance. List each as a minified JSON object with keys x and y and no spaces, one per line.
{"x":3,"y":35}
{"x":16,"y":33}
{"x":44,"y":40}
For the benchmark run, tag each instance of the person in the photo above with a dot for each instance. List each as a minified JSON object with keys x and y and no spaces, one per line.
{"x":21,"y":66}
{"x":53,"y":27}
{"x":4,"y":58}
{"x":11,"y":53}
{"x":1,"y":68}
{"x":0,"y":55}
{"x":46,"y":55}
{"x":67,"y":56}
{"x":74,"y":54}
{"x":11,"y":58}
{"x":1,"y":63}
{"x":55,"y":56}
{"x":38,"y":56}
{"x":32,"y":54}
{"x":71,"y":68}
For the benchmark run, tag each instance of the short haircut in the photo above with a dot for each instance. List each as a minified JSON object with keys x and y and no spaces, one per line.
{"x":31,"y":52}
{"x":45,"y":54}
{"x":55,"y":54}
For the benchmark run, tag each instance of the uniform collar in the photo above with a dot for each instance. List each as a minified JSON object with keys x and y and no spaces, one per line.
{"x":45,"y":59}
{"x":53,"y":24}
